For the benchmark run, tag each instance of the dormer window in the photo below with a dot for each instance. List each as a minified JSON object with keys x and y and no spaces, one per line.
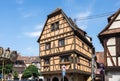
{"x":55,"y":26}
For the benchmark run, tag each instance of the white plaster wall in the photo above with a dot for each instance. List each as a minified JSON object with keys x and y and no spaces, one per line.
{"x":119,"y":61}
{"x":113,"y":76}
{"x":115,"y":24}
{"x":109,"y":62}
{"x":112,"y":50}
{"x":118,"y":17}
{"x":111,"y":41}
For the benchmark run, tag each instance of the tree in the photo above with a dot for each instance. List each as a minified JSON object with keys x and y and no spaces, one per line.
{"x":15,"y":75}
{"x":7,"y":68}
{"x":30,"y":71}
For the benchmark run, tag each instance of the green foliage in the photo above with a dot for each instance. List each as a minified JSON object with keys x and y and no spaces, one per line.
{"x":15,"y":75}
{"x":27,"y":74}
{"x":30,"y":71}
{"x":7,"y":68}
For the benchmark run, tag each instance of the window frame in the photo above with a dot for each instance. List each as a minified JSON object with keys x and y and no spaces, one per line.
{"x":55,"y":26}
{"x":47,"y":61}
{"x":65,"y":58}
{"x":61,"y":42}
{"x":47,"y":46}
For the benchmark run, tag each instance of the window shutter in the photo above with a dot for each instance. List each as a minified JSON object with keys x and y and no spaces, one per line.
{"x":117,"y":46}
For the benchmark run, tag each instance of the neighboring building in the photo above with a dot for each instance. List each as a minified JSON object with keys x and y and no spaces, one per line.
{"x":62,"y":43}
{"x":100,"y":57}
{"x":23,"y":62}
{"x":110,"y":39}
{"x":36,"y":62}
{"x":100,"y":66}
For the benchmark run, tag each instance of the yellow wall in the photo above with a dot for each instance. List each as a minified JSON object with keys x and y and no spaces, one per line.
{"x":85,"y":50}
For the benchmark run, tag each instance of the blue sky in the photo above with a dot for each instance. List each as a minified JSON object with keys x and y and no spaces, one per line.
{"x":21,"y":21}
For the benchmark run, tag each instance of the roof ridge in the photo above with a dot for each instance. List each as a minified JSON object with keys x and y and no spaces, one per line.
{"x":109,"y":23}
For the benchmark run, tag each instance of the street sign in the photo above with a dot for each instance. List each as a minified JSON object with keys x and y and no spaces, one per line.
{"x":63,"y":73}
{"x":63,"y":68}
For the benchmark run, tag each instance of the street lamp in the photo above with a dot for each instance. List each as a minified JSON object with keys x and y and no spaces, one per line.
{"x":93,"y":64}
{"x":7,"y":55}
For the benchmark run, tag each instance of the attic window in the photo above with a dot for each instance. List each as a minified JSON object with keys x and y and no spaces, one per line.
{"x":55,"y":26}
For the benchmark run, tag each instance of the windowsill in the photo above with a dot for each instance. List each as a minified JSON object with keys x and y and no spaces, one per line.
{"x":65,"y":62}
{"x":47,"y":49}
{"x":62,"y":46}
{"x":46,"y":65}
{"x":54,"y":30}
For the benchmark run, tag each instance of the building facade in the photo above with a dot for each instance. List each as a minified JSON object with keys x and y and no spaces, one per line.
{"x":110,"y":39}
{"x":62,"y":43}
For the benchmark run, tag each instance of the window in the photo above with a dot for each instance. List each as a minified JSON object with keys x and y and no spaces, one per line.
{"x":47,"y":61}
{"x":82,"y":45}
{"x":47,"y":46}
{"x":65,"y":58}
{"x":88,"y":49}
{"x":55,"y":26}
{"x":61,"y":42}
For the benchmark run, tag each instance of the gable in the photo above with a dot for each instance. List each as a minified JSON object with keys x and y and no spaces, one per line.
{"x":116,"y":23}
{"x":113,"y":25}
{"x":52,"y":19}
{"x":66,"y":25}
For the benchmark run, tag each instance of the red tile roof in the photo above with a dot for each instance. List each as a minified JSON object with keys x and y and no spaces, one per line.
{"x":100,"y":57}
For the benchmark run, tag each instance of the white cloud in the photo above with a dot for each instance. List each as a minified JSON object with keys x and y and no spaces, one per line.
{"x":27,"y":15}
{"x":19,"y":1}
{"x":80,"y":19}
{"x":39,"y":26}
{"x":83,"y":15}
{"x":33,"y":51}
{"x":33,"y":34}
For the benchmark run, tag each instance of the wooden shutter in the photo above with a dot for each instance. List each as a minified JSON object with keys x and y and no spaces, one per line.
{"x":117,"y":46}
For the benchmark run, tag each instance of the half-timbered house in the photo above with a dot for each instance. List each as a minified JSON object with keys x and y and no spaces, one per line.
{"x":110,"y":39}
{"x":62,"y":43}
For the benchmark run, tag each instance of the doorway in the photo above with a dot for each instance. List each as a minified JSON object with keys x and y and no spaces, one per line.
{"x":65,"y":79}
{"x":55,"y":79}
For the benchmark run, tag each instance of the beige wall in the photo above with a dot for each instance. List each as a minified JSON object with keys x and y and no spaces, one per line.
{"x":85,"y":50}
